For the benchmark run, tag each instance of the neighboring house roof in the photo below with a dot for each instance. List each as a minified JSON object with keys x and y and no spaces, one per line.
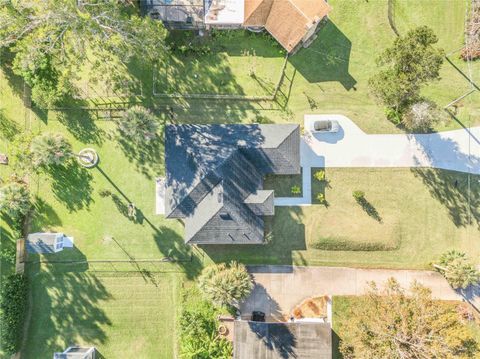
{"x":288,"y":21}
{"x":215,"y":177}
{"x":282,"y":340}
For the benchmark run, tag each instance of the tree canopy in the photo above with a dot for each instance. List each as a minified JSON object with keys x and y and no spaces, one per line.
{"x":410,"y":62}
{"x":458,"y":270}
{"x":52,"y":39}
{"x":15,"y":199}
{"x":50,"y":149}
{"x":390,"y":323}
{"x":138,"y":124}
{"x":225,"y":284}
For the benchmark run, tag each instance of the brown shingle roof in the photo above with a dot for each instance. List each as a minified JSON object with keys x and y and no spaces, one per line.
{"x":256,"y":12}
{"x":286,"y":20}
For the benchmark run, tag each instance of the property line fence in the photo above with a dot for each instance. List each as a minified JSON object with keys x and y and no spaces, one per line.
{"x":200,"y":96}
{"x":142,"y":266}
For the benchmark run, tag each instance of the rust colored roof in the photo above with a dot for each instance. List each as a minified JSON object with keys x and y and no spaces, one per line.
{"x":257,"y":11}
{"x":286,"y":20}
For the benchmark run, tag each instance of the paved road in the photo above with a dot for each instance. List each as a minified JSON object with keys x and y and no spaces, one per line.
{"x":279,"y":288}
{"x":457,"y":150}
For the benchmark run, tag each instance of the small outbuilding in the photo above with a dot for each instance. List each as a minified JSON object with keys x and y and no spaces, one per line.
{"x":76,"y":352}
{"x":40,"y":243}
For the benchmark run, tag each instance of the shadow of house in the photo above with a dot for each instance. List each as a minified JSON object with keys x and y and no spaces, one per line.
{"x":327,"y":58}
{"x":284,"y":234}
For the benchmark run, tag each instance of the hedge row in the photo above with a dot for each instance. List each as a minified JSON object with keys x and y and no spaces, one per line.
{"x":341,"y":244}
{"x":13,"y":303}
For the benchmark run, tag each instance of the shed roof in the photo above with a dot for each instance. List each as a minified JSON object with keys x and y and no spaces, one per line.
{"x":282,"y":340}
{"x":42,"y":242}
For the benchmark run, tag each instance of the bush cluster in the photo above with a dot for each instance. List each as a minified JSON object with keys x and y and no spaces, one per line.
{"x":13,"y":303}
{"x":199,"y":334}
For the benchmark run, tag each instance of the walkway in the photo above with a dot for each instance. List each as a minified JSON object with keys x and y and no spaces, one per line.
{"x":279,"y":288}
{"x":457,"y":150}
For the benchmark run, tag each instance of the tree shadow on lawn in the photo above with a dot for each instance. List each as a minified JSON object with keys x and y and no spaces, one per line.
{"x":80,"y":123}
{"x":327,"y":58}
{"x":71,"y":185}
{"x":44,"y":216}
{"x":369,"y":209}
{"x":147,"y":156}
{"x":8,"y":129}
{"x":284,"y":234}
{"x":458,"y":192}
{"x":66,"y":306}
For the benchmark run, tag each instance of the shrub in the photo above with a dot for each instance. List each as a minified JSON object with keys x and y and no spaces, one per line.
{"x":15,"y":199}
{"x":50,"y":149}
{"x":358,"y":195}
{"x":320,"y":197}
{"x":296,"y":189}
{"x":420,"y":116}
{"x":225,"y":284}
{"x":138,"y":124}
{"x":457,"y":269}
{"x":13,"y":303}
{"x":199,"y":335}
{"x":319,"y":175}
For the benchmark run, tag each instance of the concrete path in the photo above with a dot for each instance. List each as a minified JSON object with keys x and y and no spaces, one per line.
{"x":457,"y":150}
{"x":160,"y":195}
{"x":279,"y":288}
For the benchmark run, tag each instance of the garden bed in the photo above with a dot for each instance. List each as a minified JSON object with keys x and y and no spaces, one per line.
{"x":284,"y":185}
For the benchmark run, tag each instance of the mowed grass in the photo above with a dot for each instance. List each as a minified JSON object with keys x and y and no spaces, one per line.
{"x":331,"y":76}
{"x":420,"y":213}
{"x":123,"y":317}
{"x":238,"y":63}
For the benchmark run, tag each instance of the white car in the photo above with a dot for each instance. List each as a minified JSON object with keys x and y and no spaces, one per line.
{"x":319,"y":126}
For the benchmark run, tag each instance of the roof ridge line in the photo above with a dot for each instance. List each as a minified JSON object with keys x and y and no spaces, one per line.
{"x":296,"y":7}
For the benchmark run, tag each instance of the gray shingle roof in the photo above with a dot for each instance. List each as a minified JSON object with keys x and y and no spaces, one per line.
{"x":212,"y":169}
{"x":282,"y":340}
{"x":42,"y":242}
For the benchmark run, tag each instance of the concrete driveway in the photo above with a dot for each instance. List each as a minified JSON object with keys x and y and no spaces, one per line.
{"x":279,"y":288}
{"x":457,"y":150}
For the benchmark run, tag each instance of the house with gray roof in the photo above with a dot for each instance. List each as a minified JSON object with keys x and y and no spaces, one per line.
{"x":306,"y":340}
{"x":214,"y":178}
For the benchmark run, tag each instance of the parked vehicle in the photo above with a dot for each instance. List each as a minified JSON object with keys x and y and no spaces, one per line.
{"x":323,"y":126}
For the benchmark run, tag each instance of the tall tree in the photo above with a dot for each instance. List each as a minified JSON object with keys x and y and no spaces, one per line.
{"x":458,"y":270}
{"x":138,"y":124}
{"x":51,"y":39}
{"x":14,"y":199}
{"x":225,"y":284}
{"x":408,"y":64}
{"x":388,"y":323}
{"x":50,"y":149}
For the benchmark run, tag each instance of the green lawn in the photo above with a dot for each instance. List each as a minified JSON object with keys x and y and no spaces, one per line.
{"x":283,"y":185}
{"x":121,"y":316}
{"x":417,"y":215}
{"x":422,"y":213}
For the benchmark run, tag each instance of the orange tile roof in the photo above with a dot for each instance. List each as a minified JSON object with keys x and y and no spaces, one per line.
{"x":286,"y":20}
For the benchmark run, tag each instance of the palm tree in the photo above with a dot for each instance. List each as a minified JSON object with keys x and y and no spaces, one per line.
{"x":50,"y":149}
{"x":138,"y":124}
{"x":225,"y":284}
{"x":457,"y":270}
{"x":14,"y":199}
